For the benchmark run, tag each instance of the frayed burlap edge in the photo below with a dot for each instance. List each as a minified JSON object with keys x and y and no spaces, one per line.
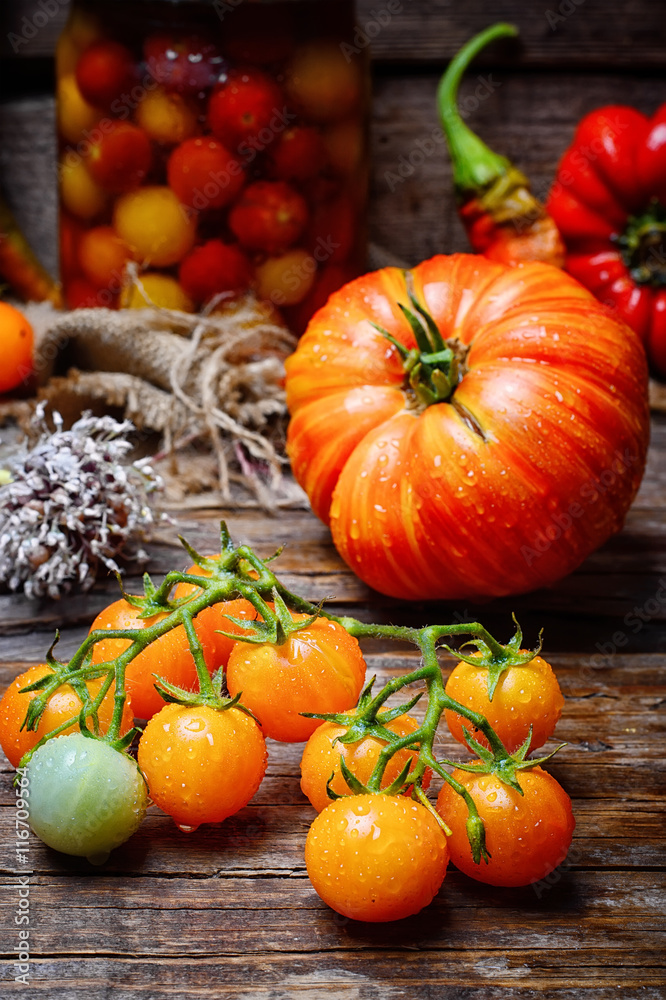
{"x":216,"y":377}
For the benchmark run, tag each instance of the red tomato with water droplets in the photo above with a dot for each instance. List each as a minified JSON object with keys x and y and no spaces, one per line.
{"x":505,"y":485}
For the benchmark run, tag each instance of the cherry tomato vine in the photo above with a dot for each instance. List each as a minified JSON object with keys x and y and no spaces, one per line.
{"x":237,"y":574}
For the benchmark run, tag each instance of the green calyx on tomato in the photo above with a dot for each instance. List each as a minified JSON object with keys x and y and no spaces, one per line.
{"x":435,"y":366}
{"x":60,"y":674}
{"x":499,"y":660}
{"x":498,"y":761}
{"x":643,"y":246}
{"x":276,"y":627}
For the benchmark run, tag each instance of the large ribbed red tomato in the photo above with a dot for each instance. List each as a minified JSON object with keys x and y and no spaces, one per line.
{"x":504,"y":484}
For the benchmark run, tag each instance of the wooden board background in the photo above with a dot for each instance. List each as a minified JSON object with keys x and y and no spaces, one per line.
{"x":228,"y":911}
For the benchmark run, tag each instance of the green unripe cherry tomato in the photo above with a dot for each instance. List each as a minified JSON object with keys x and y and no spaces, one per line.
{"x":85,"y":797}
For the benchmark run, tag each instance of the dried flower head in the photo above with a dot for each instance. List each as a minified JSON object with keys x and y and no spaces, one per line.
{"x":72,"y":505}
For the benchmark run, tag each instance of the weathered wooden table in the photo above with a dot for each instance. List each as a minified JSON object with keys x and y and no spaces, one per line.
{"x":228,"y":911}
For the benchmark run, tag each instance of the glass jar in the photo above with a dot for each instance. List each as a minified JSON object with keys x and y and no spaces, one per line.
{"x":216,"y":146}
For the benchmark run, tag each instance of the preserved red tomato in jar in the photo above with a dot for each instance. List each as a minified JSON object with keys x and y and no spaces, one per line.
{"x":216,"y":146}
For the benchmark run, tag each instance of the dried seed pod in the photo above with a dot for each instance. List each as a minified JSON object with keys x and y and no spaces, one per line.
{"x":72,"y":505}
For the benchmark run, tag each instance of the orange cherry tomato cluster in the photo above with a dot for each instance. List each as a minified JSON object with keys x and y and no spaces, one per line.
{"x":216,"y":158}
{"x":378,"y":849}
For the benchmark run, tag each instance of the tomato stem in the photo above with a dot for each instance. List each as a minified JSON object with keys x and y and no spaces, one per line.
{"x":643,"y":246}
{"x":435,"y":366}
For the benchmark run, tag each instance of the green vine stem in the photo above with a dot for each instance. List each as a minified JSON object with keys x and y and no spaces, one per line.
{"x":239,"y":572}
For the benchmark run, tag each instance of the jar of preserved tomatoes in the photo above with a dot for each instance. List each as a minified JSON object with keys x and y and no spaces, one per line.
{"x":218,"y":145}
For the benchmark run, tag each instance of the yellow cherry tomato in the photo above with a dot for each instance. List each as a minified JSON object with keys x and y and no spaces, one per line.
{"x":287,"y":279}
{"x":84,"y":28}
{"x":75,"y":115}
{"x":156,"y":290}
{"x":80,"y":194}
{"x":376,"y":857}
{"x":155,"y":225}
{"x":322,"y":84}
{"x":166,"y":118}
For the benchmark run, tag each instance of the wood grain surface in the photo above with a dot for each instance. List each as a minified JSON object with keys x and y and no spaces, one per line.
{"x":583,"y":33}
{"x":228,"y":912}
{"x":229,"y":908}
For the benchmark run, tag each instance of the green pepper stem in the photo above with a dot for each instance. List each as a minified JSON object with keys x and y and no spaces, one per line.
{"x":475,"y":165}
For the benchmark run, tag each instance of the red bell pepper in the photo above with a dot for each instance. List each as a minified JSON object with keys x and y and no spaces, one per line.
{"x":503,"y":219}
{"x":609,"y":202}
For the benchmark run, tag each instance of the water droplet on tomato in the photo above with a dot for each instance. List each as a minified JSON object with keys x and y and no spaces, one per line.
{"x":195,"y":725}
{"x":98,"y":859}
{"x":185,"y":828}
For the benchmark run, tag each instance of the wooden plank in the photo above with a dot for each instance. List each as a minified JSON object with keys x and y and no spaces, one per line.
{"x":485,"y":975}
{"x":236,"y":916}
{"x":582,"y":33}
